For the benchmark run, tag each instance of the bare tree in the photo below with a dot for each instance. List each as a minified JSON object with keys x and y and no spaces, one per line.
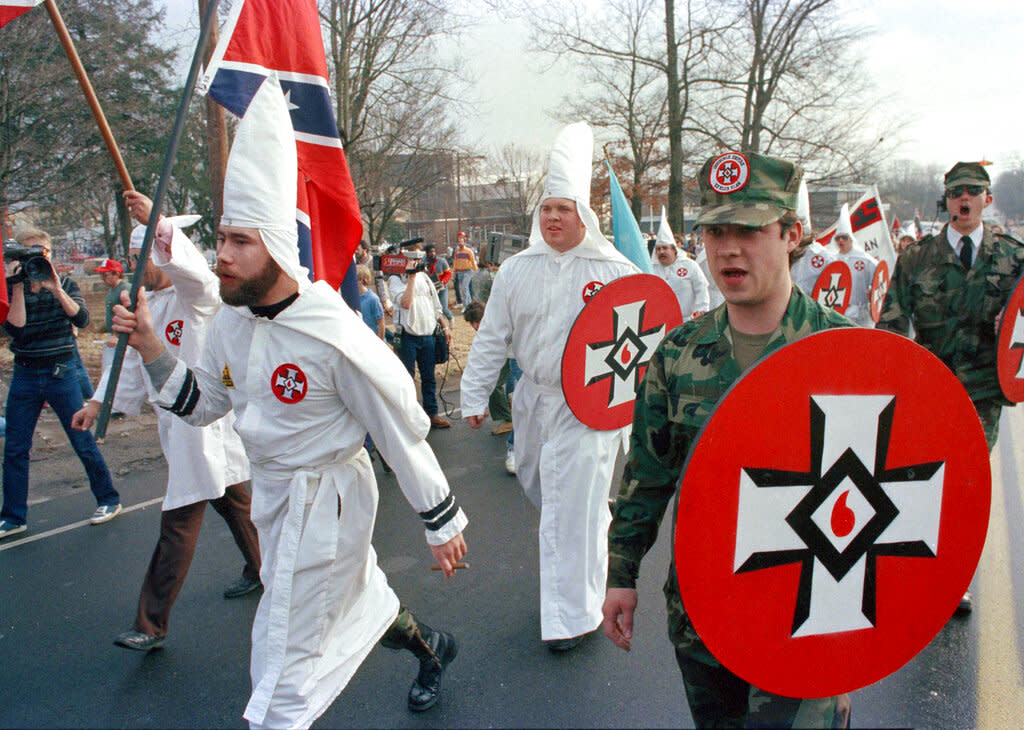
{"x":519,"y":182}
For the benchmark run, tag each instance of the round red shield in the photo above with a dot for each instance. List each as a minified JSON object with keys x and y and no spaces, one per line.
{"x":173,"y":332}
{"x":879,"y":288}
{"x":1009,"y":360}
{"x":609,"y":345}
{"x":830,"y":519}
{"x":288,"y":383}
{"x":834,"y":287}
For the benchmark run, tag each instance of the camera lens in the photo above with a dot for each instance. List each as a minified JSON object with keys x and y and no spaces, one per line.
{"x":37,"y":268}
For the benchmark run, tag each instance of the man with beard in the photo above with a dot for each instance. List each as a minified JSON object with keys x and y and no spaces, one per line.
{"x":307,"y":380}
{"x":951,"y":286}
{"x":204,"y":464}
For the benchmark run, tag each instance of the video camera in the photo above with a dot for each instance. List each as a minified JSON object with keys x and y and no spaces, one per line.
{"x":34,"y":264}
{"x":394,"y":261}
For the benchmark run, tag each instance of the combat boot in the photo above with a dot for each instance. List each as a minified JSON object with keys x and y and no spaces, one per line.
{"x":435,"y":650}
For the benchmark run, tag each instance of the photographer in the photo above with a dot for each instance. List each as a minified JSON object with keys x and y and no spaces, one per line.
{"x":417,"y":315}
{"x":43,"y":310}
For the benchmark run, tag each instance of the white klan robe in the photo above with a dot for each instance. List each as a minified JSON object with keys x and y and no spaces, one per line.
{"x":565,"y":468}
{"x":715,"y":297}
{"x":808,"y":268}
{"x":683,"y":275}
{"x":305,"y":388}
{"x":201,"y":462}
{"x":862,"y":270}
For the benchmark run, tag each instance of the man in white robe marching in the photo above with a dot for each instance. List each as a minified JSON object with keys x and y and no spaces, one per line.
{"x":206,"y":464}
{"x":307,"y":380}
{"x":564,"y":466}
{"x":862,"y":269}
{"x":813,"y":257}
{"x":682,"y":273}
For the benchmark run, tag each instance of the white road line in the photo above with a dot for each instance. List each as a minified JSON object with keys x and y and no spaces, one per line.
{"x":1000,"y":692}
{"x":73,"y":526}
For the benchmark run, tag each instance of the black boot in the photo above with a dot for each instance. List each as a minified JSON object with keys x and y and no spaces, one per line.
{"x":435,"y":650}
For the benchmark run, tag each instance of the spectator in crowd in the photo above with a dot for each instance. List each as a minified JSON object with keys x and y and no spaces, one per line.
{"x":39,"y":322}
{"x":464,"y":264}
{"x":369,"y":302}
{"x":440,"y":273}
{"x":112,"y":274}
{"x":418,"y":314}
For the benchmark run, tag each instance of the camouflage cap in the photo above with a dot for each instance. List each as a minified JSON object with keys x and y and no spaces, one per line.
{"x":967,"y":173}
{"x":748,"y":189}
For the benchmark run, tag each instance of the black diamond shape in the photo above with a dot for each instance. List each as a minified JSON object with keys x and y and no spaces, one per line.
{"x":612,"y":360}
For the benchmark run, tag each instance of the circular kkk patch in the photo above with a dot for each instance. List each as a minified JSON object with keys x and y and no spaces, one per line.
{"x":879,"y":288}
{"x":590,"y":289}
{"x":610,"y":344}
{"x":830,"y":518}
{"x":681,"y":272}
{"x":817,"y":261}
{"x":1009,"y":360}
{"x":859,"y":265}
{"x":173,"y":332}
{"x":834,"y":286}
{"x":289,"y":383}
{"x":729,"y":173}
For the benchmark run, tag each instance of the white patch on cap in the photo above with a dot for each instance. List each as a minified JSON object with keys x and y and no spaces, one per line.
{"x":729,"y":173}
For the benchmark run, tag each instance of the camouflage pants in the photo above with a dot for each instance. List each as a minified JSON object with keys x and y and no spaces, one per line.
{"x":989,"y":413}
{"x":718,"y":698}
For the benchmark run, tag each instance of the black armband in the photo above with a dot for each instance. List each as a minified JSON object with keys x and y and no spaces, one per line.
{"x":441,"y":515}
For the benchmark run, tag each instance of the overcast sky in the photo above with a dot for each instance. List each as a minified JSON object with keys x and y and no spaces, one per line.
{"x":954,"y":68}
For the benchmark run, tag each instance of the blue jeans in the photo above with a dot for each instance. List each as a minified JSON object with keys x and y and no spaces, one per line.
{"x":462,"y":279}
{"x":83,"y":377}
{"x":514,"y":373}
{"x":416,"y":350}
{"x":30,"y":388}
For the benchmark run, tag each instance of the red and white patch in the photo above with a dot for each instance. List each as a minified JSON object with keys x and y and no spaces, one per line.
{"x":858,"y":265}
{"x":682,"y":272}
{"x":729,"y":173}
{"x":591,"y":289}
{"x":610,"y":344}
{"x":879,"y":288}
{"x":826,"y":534}
{"x":1010,"y":355}
{"x":817,"y":261}
{"x":834,"y":286}
{"x":173,"y":332}
{"x":289,"y":383}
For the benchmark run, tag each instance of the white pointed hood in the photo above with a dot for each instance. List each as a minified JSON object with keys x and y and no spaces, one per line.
{"x":665,"y":237}
{"x":803,"y":206}
{"x":261,"y":182}
{"x":569,"y":170}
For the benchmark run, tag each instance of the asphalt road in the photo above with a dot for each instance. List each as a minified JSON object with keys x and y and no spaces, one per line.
{"x":66,"y":589}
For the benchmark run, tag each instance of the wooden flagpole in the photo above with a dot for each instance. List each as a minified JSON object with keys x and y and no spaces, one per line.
{"x":90,"y":94}
{"x":208,"y":22}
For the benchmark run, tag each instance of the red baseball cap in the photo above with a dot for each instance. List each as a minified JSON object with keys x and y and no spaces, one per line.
{"x":110,"y":265}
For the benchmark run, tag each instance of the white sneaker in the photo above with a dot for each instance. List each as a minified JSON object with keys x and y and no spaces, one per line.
{"x":105,"y":513}
{"x":8,"y":528}
{"x":510,"y":462}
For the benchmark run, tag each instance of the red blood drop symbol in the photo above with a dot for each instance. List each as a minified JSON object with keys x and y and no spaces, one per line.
{"x":626,"y":356}
{"x":843,"y":518}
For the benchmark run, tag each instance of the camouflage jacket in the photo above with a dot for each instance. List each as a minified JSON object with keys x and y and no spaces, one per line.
{"x":954,"y":311}
{"x":688,"y":374}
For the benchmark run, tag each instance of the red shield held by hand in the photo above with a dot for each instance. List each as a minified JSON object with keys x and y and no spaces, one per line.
{"x":831,"y":519}
{"x":879,"y":288}
{"x":610,"y":344}
{"x":1009,"y":360}
{"x":834,"y":287}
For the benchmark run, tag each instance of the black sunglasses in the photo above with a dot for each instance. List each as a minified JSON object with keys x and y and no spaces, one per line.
{"x":961,"y":189}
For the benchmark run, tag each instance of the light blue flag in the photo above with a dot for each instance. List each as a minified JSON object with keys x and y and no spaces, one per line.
{"x":628,"y":239}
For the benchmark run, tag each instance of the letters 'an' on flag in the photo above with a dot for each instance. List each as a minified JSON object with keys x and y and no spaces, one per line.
{"x":11,"y":9}
{"x":867,"y":218}
{"x":284,"y":36}
{"x":628,"y":239}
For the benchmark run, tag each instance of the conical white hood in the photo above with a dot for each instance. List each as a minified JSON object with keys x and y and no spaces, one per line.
{"x":261,"y":182}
